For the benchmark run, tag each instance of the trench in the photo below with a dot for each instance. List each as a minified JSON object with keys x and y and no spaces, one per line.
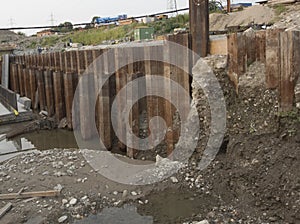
{"x":41,"y":140}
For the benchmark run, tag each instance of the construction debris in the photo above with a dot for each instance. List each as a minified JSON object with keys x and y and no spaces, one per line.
{"x":5,"y":209}
{"x":12,"y":196}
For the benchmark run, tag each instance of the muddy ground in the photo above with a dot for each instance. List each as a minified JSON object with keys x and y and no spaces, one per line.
{"x":254,"y":178}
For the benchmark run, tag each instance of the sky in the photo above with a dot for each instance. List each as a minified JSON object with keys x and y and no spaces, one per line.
{"x":38,"y":12}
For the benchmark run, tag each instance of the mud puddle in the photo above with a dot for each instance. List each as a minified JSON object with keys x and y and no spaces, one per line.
{"x":168,"y":206}
{"x":42,"y":140}
{"x":176,"y":205}
{"x":125,"y":215}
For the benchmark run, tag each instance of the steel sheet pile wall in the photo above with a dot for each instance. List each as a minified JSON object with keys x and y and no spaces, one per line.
{"x":280,"y":52}
{"x":50,"y":81}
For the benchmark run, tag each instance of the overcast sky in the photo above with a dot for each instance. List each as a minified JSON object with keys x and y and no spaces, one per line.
{"x":38,"y":12}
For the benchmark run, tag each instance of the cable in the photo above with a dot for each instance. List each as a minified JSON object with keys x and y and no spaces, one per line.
{"x":86,"y":24}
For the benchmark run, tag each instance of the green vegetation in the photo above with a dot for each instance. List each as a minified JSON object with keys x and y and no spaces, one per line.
{"x":65,"y":27}
{"x":49,"y":41}
{"x":168,"y":25}
{"x":293,"y":115}
{"x":215,"y":6}
{"x":97,"y":36}
{"x":21,"y":34}
{"x":32,"y":45}
{"x":279,"y":9}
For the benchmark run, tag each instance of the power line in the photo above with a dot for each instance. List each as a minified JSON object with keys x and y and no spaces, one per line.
{"x":86,"y":24}
{"x":172,"y":5}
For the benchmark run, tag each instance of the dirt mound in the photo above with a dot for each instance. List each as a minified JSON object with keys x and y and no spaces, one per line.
{"x":7,"y":36}
{"x":290,"y":18}
{"x":256,"y":14}
{"x":257,"y":171}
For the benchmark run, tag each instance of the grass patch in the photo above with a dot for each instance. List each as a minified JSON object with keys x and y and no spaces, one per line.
{"x":293,"y":115}
{"x":97,"y":36}
{"x":279,"y":9}
{"x":49,"y":41}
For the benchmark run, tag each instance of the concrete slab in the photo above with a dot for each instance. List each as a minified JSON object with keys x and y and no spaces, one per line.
{"x":3,"y":110}
{"x":21,"y":108}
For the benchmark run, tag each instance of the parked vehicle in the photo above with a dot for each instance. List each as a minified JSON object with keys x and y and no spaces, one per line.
{"x":110,"y":20}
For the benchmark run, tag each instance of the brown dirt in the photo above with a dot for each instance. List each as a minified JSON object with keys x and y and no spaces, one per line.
{"x":258,"y":172}
{"x":256,"y":14}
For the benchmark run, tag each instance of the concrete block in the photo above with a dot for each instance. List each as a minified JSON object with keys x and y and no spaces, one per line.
{"x":26,"y":102}
{"x":5,"y":71}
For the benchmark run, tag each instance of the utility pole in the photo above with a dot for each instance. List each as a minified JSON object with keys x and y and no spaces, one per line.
{"x":52,"y":20}
{"x":228,"y":6}
{"x":172,"y":5}
{"x":199,"y":26}
{"x":11,"y":22}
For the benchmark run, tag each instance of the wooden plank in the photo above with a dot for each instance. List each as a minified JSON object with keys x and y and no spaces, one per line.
{"x":261,"y":46}
{"x":15,"y":81}
{"x":13,"y":196}
{"x":41,"y":89}
{"x":5,"y":209}
{"x":41,"y":61}
{"x":199,"y":26}
{"x":76,"y":63}
{"x":86,"y":92}
{"x":11,"y":78}
{"x":150,"y":98}
{"x":109,"y":68}
{"x":184,"y":78}
{"x":290,"y":60}
{"x":59,"y":100}
{"x":46,"y":61}
{"x":218,"y":46}
{"x":241,"y":54}
{"x":121,"y":80}
{"x":34,"y":61}
{"x":134,"y":114}
{"x":26,"y":82}
{"x":20,"y":78}
{"x":158,"y":70}
{"x":52,"y":61}
{"x":71,"y":77}
{"x":175,"y":76}
{"x":68,"y":60}
{"x":49,"y":92}
{"x":30,"y":61}
{"x":273,"y":58}
{"x":56,"y":61}
{"x":232,"y":60}
{"x":168,"y":106}
{"x":102,"y":72}
{"x":33,"y":86}
{"x":249,"y":37}
{"x":62,"y":62}
{"x":69,"y":95}
{"x":96,"y":67}
{"x":81,"y":65}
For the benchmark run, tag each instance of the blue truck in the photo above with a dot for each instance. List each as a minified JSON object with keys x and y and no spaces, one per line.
{"x":109,"y":20}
